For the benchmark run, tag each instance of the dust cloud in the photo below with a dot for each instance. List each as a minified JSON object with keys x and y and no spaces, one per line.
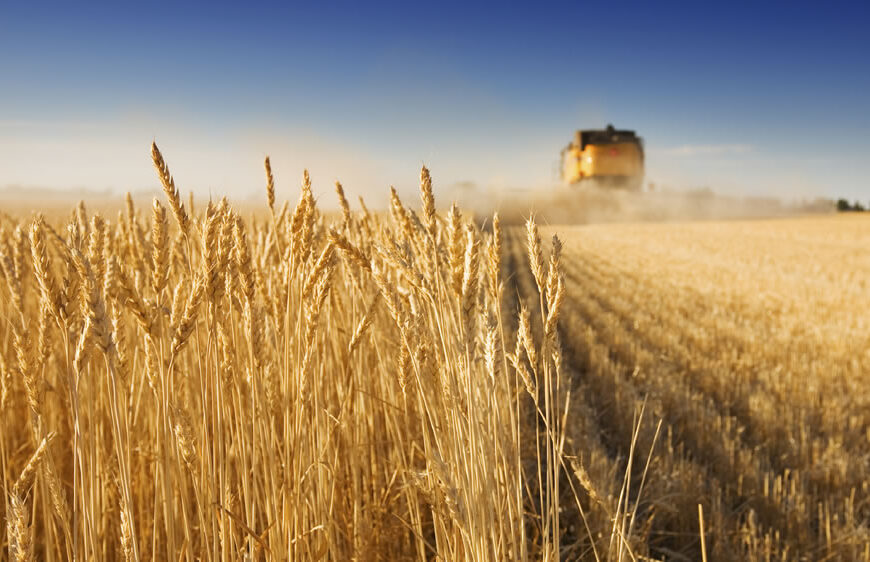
{"x":589,"y":204}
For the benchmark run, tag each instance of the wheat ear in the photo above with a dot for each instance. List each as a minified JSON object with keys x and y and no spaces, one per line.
{"x":270,"y":185}
{"x":170,"y":190}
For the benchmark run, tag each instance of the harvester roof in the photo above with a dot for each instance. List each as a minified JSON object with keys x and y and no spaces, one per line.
{"x":610,"y":135}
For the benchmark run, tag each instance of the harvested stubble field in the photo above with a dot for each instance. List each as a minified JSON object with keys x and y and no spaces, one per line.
{"x":182,"y":383}
{"x":750,"y":340}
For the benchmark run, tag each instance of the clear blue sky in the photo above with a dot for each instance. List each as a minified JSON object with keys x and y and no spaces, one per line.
{"x":740,"y":97}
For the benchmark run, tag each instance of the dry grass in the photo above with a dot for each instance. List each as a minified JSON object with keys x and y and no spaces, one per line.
{"x":750,"y":341}
{"x":187,"y":384}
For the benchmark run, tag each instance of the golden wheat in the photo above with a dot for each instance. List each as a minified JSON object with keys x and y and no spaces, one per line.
{"x":217,"y":388}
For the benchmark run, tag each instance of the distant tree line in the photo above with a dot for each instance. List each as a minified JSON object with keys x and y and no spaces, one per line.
{"x":843,"y":206}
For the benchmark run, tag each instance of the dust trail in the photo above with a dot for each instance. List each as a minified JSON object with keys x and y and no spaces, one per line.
{"x":592,"y":204}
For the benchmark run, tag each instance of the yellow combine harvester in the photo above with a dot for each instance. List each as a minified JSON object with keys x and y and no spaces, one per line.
{"x":609,"y":157}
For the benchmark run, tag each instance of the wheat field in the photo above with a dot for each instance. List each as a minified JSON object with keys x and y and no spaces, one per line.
{"x":183,"y":382}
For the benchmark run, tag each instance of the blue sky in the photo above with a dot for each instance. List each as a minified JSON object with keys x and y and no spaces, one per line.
{"x":741,"y":97}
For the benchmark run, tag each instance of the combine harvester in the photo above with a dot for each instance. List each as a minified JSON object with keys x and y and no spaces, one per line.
{"x":609,"y":158}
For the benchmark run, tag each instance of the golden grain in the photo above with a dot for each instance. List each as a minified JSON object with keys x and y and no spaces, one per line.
{"x":242,"y":385}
